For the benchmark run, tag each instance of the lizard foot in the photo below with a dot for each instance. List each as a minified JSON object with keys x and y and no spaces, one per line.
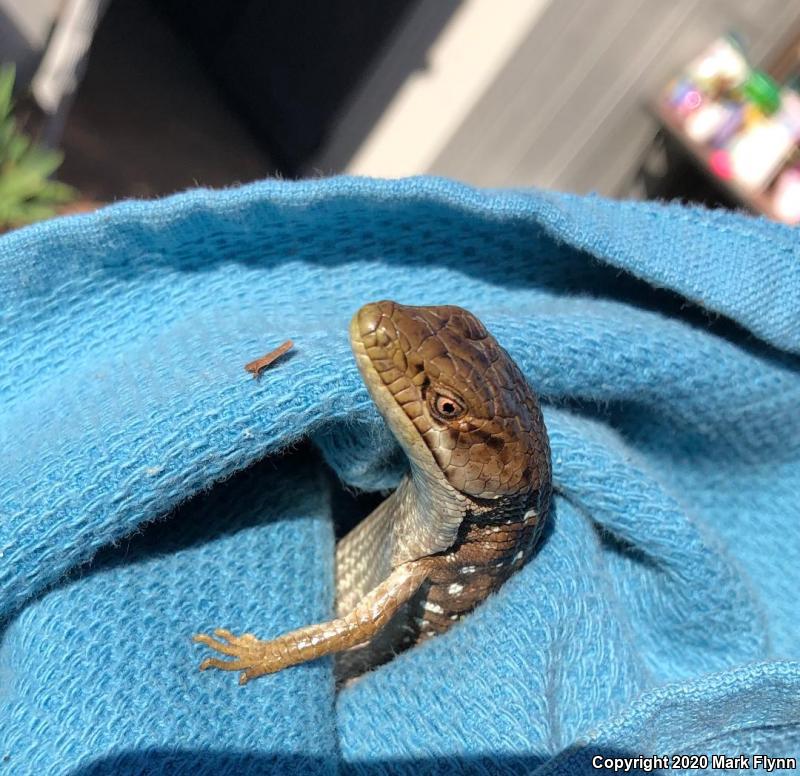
{"x":252,"y":656}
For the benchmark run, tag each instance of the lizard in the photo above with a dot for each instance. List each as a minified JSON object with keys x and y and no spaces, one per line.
{"x":467,"y":514}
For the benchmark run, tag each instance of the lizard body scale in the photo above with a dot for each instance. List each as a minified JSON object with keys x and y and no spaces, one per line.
{"x":465,"y":517}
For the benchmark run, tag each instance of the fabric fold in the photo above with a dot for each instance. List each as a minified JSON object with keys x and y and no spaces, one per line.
{"x":664,"y":342}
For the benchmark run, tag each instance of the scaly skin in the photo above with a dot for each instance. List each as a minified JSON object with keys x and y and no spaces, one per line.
{"x":466,"y":516}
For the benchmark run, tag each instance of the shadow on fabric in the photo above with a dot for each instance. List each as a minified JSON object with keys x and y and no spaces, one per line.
{"x":156,"y":762}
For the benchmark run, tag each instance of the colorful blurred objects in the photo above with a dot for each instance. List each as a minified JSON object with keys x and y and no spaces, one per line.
{"x":742,"y":125}
{"x":720,"y":163}
{"x":787,"y":196}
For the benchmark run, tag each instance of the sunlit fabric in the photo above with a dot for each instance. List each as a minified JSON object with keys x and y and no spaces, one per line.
{"x":150,"y":488}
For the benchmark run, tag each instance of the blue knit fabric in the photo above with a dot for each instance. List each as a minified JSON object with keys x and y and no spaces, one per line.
{"x":150,"y":488}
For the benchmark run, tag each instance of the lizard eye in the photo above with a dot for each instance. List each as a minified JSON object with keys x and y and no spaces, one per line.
{"x":444,"y":407}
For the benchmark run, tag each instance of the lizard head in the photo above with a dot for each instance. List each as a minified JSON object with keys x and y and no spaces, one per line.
{"x":453,"y":397}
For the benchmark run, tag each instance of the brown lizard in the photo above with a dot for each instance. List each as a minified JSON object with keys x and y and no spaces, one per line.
{"x":465,"y":517}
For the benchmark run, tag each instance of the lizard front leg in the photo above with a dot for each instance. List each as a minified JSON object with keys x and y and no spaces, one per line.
{"x":255,"y":657}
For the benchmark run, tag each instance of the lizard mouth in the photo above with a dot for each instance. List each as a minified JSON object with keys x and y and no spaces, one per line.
{"x":370,"y":342}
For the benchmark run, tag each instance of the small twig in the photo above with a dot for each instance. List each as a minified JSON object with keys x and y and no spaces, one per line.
{"x":260,"y":364}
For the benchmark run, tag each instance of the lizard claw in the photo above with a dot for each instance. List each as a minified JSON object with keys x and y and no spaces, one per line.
{"x":249,"y":653}
{"x":223,"y":665}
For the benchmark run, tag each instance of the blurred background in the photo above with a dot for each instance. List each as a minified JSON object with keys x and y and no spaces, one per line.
{"x":690,"y":99}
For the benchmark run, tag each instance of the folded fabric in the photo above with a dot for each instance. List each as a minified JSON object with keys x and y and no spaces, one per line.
{"x":151,"y":489}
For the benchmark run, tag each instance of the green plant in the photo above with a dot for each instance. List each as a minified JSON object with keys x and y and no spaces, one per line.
{"x":26,"y":192}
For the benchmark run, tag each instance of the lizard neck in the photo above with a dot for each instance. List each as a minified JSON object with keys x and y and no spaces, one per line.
{"x":427,"y":515}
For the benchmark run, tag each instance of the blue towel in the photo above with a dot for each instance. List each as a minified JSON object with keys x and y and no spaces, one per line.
{"x":151,"y":489}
